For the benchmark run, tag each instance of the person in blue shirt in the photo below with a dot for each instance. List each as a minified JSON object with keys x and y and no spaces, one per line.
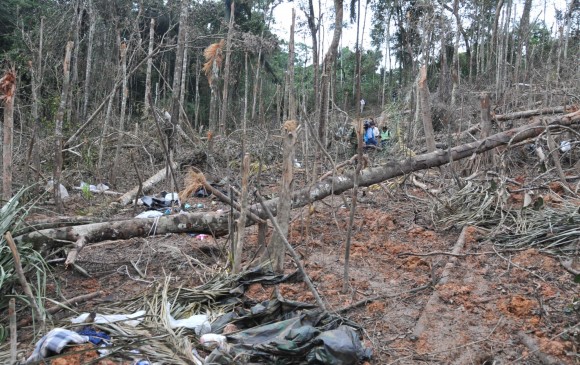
{"x":369,"y":136}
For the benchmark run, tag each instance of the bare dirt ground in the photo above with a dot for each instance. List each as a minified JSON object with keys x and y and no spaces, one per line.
{"x":491,"y":302}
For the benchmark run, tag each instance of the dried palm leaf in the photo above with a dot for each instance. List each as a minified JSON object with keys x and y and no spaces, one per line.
{"x":214,"y":58}
{"x":8,"y":85}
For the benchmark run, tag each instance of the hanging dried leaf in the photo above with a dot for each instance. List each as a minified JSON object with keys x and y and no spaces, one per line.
{"x":214,"y":57}
{"x":8,"y":85}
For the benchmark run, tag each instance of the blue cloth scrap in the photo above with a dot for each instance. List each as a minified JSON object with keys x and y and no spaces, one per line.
{"x":96,"y":337}
{"x":53,"y":342}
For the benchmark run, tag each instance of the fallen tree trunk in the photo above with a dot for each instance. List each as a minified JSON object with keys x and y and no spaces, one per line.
{"x":529,"y":113}
{"x":147,"y":185}
{"x":217,"y":223}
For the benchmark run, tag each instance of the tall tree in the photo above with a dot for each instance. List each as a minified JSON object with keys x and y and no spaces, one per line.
{"x":523,"y":40}
{"x":327,"y":69}
{"x":225,"y":96}
{"x":314,"y":26}
{"x":89,"y":63}
{"x":290,"y":73}
{"x":426,"y":109}
{"x":7,"y":94}
{"x":147,"y":107}
{"x":58,"y":133}
{"x":123,"y":113}
{"x":177,"y":75}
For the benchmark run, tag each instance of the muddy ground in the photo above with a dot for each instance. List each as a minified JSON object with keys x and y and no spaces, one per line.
{"x":490,"y":304}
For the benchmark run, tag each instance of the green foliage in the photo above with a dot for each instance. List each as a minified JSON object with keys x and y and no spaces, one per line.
{"x":86,"y":192}
{"x":370,"y":81}
{"x":11,"y":216}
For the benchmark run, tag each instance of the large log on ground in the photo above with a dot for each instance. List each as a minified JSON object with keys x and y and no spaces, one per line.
{"x":217,"y":223}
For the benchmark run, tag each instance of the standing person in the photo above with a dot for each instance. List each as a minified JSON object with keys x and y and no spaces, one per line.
{"x":362,"y":104}
{"x":369,"y":134}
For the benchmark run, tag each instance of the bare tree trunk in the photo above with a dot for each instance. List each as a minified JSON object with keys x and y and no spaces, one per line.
{"x":278,"y":104}
{"x":147,"y":107}
{"x":106,"y":122}
{"x":184,"y":79}
{"x":568,"y":24}
{"x":197,"y":101}
{"x":8,"y":87}
{"x":456,"y":73}
{"x":444,"y":92}
{"x":124,"y":95}
{"x":72,"y":111}
{"x":426,"y":110}
{"x":213,"y":117}
{"x":257,"y":78}
{"x":177,"y":74}
{"x":245,"y":114}
{"x":313,"y":27}
{"x":485,"y":115}
{"x":358,"y":167}
{"x":505,"y":46}
{"x":256,"y":85}
{"x":89,"y":66}
{"x":36,"y":73}
{"x":58,"y":127}
{"x":225,"y":96}
{"x":494,"y":37}
{"x":240,"y":236}
{"x":486,"y":124}
{"x":327,"y":68}
{"x":523,"y":39}
{"x":291,"y":88}
{"x":277,"y":246}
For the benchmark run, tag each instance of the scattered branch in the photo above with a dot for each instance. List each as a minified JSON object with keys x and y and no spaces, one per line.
{"x":20,"y":272}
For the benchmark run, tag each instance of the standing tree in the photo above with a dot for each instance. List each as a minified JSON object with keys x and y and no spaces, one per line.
{"x":225,"y":96}
{"x":7,"y":91}
{"x":177,"y":75}
{"x":214,"y":58}
{"x":327,"y":69}
{"x":147,"y":107}
{"x":277,"y":247}
{"x":58,"y":127}
{"x":290,"y":73}
{"x":426,"y":109}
